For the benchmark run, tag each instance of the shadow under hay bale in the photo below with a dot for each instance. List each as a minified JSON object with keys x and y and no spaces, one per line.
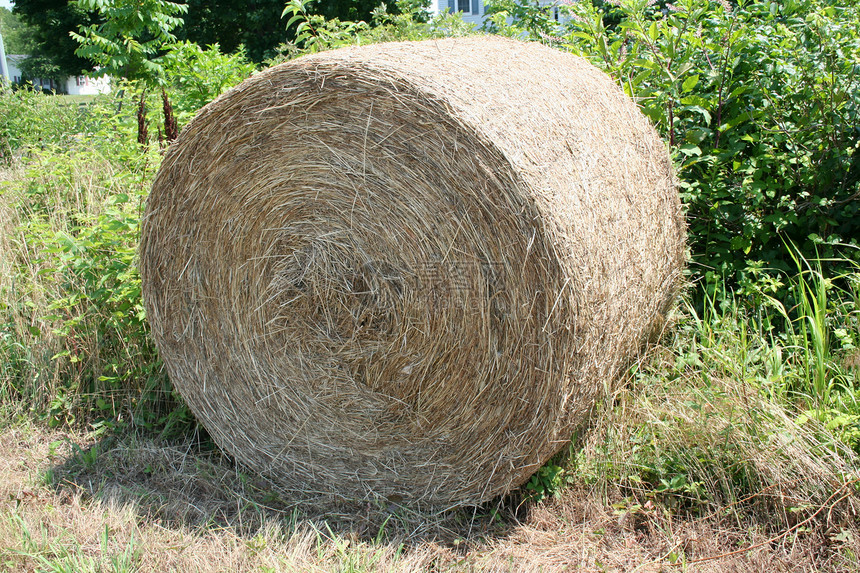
{"x":409,"y":270}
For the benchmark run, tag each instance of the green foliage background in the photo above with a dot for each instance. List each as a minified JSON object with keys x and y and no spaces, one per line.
{"x":759,"y":103}
{"x":255,"y":27}
{"x":48,"y":25}
{"x":16,"y":35}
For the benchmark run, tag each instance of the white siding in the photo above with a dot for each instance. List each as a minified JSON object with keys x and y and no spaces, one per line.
{"x":72,"y":85}
{"x":442,"y":6}
{"x":83,"y":85}
{"x":13,"y":63}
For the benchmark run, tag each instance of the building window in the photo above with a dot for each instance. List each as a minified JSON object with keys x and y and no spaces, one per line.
{"x":465,"y":6}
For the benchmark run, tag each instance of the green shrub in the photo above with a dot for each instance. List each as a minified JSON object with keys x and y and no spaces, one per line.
{"x":408,"y":21}
{"x":30,"y":118}
{"x":73,"y":337}
{"x":759,"y":104}
{"x":74,"y":342}
{"x":196,"y":76}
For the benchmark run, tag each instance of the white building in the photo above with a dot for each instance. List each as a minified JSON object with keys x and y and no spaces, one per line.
{"x":474,"y":11}
{"x":72,"y":85}
{"x":85,"y":85}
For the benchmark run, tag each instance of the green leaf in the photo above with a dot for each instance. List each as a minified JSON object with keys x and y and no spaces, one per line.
{"x":690,"y":149}
{"x":297,"y":18}
{"x":689,"y":84}
{"x":738,"y":91}
{"x":698,"y":134}
{"x":700,"y":110}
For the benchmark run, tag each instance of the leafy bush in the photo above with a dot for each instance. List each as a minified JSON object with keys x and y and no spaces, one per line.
{"x":196,"y":75}
{"x":74,"y":341}
{"x":128,"y":36}
{"x":28,"y":118}
{"x":73,"y":336}
{"x":759,"y":104}
{"x":409,"y":21}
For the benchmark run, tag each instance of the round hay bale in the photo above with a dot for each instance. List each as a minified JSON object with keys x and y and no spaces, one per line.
{"x":409,"y":269}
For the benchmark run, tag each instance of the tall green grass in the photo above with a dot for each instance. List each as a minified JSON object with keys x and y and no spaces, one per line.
{"x":73,"y":338}
{"x":729,"y":414}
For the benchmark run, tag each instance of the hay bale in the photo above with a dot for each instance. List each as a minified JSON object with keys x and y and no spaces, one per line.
{"x":409,"y":269}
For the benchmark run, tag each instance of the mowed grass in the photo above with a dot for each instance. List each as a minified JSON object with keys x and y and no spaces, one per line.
{"x":80,"y":100}
{"x":192,"y":512}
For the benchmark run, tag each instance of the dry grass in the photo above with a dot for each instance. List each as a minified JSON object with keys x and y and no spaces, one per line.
{"x":722,"y":435}
{"x":67,"y":280}
{"x":8,"y":222}
{"x":10,"y":242}
{"x":155,"y":523}
{"x":773,"y":497}
{"x":407,"y":271}
{"x":133,"y":504}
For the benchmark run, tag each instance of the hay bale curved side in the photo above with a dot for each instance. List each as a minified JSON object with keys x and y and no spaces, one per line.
{"x":409,"y":269}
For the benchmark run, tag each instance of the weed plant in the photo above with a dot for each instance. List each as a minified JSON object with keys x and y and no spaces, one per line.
{"x":74,"y":342}
{"x":31,"y":119}
{"x":711,"y":422}
{"x":74,"y":332}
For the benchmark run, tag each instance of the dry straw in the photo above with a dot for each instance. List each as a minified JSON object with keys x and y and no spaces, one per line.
{"x":409,"y":270}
